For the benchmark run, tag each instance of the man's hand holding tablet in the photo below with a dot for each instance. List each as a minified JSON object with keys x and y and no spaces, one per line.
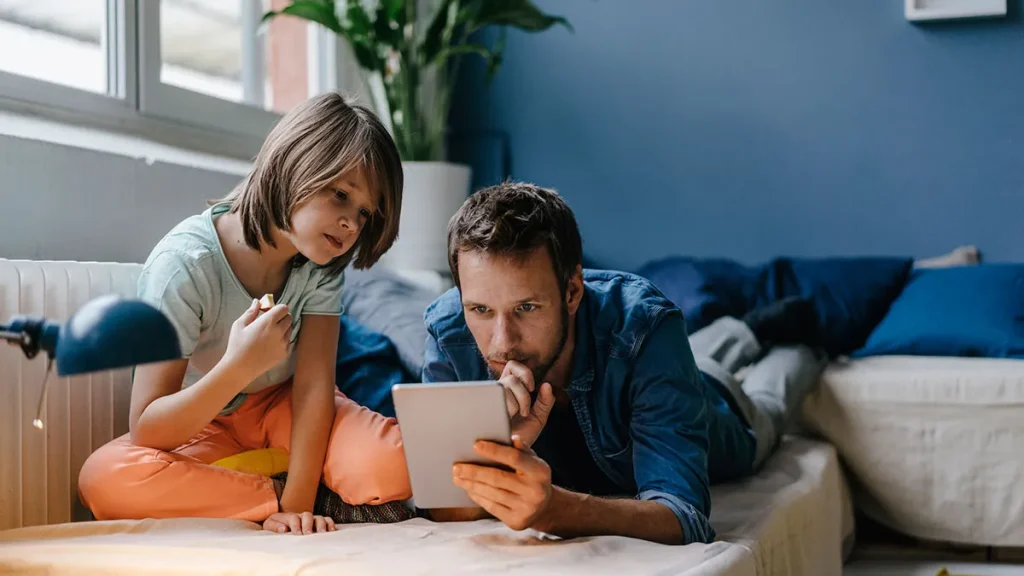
{"x":463,"y":452}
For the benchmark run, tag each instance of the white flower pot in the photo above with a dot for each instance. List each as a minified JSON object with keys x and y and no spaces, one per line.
{"x":433,"y":192}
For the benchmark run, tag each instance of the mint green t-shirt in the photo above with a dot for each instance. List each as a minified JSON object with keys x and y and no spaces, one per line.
{"x":187,"y":277}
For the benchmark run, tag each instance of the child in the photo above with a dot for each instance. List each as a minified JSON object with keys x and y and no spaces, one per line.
{"x":325,"y":189}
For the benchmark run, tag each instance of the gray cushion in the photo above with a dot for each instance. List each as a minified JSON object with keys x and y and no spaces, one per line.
{"x":387,"y":303}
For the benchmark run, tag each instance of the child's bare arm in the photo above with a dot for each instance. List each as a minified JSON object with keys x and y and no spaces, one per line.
{"x":312,"y":409}
{"x":164,"y":416}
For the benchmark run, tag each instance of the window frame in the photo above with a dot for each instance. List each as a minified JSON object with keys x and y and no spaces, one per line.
{"x":138,"y":104}
{"x":24,"y":93}
{"x":176,"y":104}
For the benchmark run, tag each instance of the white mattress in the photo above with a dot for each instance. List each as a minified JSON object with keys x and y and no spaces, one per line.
{"x":790,"y":519}
{"x":934,"y":446}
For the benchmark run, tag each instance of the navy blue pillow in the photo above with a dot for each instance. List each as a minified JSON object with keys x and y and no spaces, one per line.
{"x":975,"y":311}
{"x":704,"y":289}
{"x":851,"y":294}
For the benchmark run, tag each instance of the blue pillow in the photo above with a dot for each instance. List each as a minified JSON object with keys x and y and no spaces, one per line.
{"x":704,"y":289}
{"x":973,"y":311}
{"x":851,"y":294}
{"x":368,"y":365}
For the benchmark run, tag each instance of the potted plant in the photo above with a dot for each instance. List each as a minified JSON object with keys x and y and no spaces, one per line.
{"x":410,"y":63}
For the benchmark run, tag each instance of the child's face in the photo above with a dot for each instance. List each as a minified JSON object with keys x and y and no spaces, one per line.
{"x":328,"y":224}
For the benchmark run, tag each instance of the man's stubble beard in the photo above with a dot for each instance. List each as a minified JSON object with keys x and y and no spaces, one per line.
{"x":541,"y":371}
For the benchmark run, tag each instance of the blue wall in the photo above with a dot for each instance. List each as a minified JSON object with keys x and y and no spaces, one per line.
{"x":749,"y":129}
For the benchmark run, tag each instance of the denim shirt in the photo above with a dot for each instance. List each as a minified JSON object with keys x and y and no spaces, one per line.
{"x":638,"y":396}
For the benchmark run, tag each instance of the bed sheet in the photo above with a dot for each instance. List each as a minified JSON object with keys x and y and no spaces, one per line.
{"x":931,"y":445}
{"x":792,"y":518}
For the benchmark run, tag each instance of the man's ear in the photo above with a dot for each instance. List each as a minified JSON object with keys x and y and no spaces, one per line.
{"x":574,"y":291}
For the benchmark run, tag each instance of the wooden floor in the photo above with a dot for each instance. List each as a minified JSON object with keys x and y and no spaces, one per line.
{"x":929,"y":568}
{"x":882,"y":552}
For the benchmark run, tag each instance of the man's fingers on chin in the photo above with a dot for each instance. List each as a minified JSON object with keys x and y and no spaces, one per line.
{"x":516,"y":394}
{"x":521,"y":372}
{"x":523,"y":399}
{"x":544,"y":403}
{"x":511,"y":403}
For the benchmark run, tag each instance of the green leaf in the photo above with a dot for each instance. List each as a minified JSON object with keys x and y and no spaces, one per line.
{"x":366,"y":56}
{"x":468,"y":48}
{"x":313,"y":10}
{"x":495,"y":61}
{"x":393,"y":8}
{"x":389,"y":23}
{"x":357,"y":21}
{"x":358,"y":30}
{"x":522,"y":14}
{"x":440,"y":26}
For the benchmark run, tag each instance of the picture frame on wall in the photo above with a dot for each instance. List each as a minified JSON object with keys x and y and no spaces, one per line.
{"x":918,"y":10}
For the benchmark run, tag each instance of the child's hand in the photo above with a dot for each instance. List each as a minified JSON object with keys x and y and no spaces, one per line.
{"x":305,"y":523}
{"x":259,"y":341}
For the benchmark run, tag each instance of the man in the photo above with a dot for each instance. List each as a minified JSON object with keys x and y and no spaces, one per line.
{"x":616,"y":430}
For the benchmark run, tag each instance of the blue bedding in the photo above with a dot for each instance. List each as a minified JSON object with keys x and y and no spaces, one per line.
{"x":382,"y":336}
{"x":851,"y":294}
{"x":368,"y":365}
{"x":865,"y":306}
{"x":382,"y":331}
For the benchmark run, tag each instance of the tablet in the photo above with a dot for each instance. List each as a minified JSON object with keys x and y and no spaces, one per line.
{"x":440,"y":422}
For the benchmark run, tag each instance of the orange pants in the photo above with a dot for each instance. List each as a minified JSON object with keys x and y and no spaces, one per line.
{"x":365,"y":464}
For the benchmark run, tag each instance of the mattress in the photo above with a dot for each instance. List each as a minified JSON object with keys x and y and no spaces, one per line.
{"x":792,"y":518}
{"x":932,"y":445}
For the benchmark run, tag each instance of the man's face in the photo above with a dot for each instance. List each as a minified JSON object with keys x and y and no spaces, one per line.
{"x":515,"y":309}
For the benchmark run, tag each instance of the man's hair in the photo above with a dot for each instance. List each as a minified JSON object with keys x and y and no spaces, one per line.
{"x":311,"y":146}
{"x":515,"y":219}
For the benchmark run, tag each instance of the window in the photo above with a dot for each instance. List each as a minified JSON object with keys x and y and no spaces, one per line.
{"x":38,"y":41}
{"x":182,"y":71}
{"x":236,"y":63}
{"x":208,"y":63}
{"x":201,"y":47}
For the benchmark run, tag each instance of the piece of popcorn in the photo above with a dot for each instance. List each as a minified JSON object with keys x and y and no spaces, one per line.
{"x":267,"y":302}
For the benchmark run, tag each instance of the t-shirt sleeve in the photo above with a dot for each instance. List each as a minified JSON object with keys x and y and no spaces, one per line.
{"x":168,"y":282}
{"x":326,"y":297}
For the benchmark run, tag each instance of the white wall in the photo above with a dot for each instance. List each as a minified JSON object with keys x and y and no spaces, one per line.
{"x":64,"y":202}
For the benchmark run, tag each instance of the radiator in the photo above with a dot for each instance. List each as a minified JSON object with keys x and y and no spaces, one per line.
{"x":39,"y":468}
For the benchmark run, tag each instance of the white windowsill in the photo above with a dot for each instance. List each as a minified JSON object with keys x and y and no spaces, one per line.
{"x":44,"y":130}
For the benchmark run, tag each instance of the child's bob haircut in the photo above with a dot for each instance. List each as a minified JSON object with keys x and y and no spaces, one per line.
{"x":314,"y":144}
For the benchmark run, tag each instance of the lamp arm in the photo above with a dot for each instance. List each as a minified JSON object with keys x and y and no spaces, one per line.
{"x":32,"y":334}
{"x":106,"y":333}
{"x":11,"y":336}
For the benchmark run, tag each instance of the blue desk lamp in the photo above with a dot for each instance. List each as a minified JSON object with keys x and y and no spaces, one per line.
{"x":108,"y":332}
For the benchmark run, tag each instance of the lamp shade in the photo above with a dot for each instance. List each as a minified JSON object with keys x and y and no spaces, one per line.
{"x":112,"y":332}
